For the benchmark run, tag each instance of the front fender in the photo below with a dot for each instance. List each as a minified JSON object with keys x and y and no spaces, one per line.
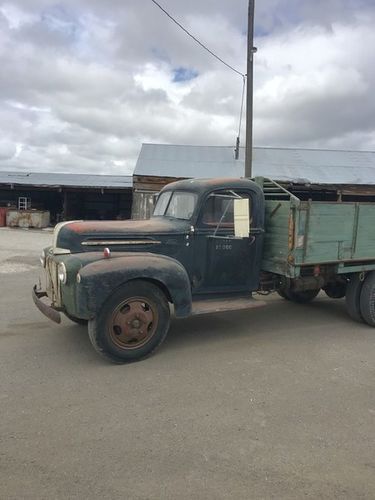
{"x":99,"y":280}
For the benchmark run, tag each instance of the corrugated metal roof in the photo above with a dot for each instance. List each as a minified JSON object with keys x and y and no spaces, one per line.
{"x":66,"y":180}
{"x":283,"y":164}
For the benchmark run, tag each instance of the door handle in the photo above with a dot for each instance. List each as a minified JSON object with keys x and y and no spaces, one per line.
{"x":257,"y":230}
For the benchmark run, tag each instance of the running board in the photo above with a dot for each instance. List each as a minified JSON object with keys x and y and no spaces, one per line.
{"x":224,"y":304}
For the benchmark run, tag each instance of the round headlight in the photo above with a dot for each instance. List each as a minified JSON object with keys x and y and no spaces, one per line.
{"x":42,"y":258}
{"x":61,"y":272}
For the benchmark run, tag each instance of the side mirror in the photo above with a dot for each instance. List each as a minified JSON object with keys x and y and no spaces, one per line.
{"x":241,"y":218}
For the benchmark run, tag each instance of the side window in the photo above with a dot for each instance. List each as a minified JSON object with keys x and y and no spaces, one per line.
{"x":217,"y":208}
{"x":218,"y":212}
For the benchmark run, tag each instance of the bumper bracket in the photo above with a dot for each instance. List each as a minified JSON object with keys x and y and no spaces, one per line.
{"x":43,"y":307}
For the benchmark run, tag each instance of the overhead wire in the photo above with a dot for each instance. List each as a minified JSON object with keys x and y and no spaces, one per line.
{"x":244,"y":76}
{"x":237,"y":148}
{"x":196,"y":39}
{"x":242,"y":103}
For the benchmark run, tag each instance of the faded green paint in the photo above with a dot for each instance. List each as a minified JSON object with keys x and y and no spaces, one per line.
{"x":337,"y":233}
{"x":73,"y":264}
{"x":329,"y":234}
{"x":365,"y":242}
{"x":356,"y":267}
{"x":275,"y":250}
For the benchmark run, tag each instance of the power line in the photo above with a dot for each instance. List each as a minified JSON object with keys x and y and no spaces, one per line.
{"x":237,"y":148}
{"x":196,"y":39}
{"x":242,"y":103}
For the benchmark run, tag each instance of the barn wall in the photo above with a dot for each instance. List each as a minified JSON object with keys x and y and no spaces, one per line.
{"x":145,"y":193}
{"x":143,"y":204}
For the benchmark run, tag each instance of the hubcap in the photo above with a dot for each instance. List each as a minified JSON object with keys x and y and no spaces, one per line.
{"x":133,"y":323}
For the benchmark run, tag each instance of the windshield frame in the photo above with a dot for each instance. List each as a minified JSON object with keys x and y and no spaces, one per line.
{"x":173,"y":193}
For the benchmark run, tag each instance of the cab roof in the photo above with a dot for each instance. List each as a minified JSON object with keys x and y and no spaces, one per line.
{"x":200,"y":186}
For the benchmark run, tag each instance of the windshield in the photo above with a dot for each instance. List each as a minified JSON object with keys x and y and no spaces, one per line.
{"x":176,"y":204}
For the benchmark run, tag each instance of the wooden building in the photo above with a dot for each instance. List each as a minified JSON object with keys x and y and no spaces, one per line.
{"x":328,"y":174}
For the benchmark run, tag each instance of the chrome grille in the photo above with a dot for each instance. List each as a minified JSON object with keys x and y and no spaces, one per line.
{"x":52,"y":284}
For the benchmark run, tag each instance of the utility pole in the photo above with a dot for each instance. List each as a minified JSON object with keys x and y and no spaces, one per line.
{"x":249,"y":92}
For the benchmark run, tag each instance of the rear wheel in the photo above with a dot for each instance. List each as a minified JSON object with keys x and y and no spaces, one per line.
{"x":299,"y":297}
{"x":283,"y":294}
{"x":367,"y":299}
{"x":353,"y":297}
{"x":335,"y":290}
{"x":132,"y":323}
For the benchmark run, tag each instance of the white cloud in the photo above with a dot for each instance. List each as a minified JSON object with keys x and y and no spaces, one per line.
{"x":8,"y":150}
{"x":84,"y":83}
{"x":15,"y":16}
{"x":321,"y":89}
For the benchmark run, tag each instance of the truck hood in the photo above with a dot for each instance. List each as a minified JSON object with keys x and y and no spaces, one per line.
{"x":117,"y":235}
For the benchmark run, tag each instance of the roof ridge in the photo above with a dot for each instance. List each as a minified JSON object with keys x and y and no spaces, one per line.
{"x":316,"y":149}
{"x":287,"y":148}
{"x":27,"y":172}
{"x":186,"y":145}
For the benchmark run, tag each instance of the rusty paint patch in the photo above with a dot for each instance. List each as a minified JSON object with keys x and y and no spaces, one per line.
{"x":120,"y":242}
{"x":120,"y":227}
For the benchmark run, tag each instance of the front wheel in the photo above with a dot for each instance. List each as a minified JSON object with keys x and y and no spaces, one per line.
{"x":132,"y":323}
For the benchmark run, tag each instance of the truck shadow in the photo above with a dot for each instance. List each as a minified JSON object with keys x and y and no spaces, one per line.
{"x":278,"y":318}
{"x":278,"y":321}
{"x":74,"y":340}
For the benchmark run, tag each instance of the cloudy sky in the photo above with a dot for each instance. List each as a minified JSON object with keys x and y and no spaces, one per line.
{"x":84,"y":82}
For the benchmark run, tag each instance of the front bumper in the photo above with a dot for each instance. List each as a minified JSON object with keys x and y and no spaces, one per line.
{"x":43,"y":307}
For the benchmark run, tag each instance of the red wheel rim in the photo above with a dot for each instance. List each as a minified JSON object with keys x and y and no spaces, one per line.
{"x":133,"y":323}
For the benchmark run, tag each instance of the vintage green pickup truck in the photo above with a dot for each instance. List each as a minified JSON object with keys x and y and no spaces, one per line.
{"x":209,"y":246}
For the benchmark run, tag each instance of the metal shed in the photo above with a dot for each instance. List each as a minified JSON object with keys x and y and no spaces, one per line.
{"x":68,"y":196}
{"x":334,"y":173}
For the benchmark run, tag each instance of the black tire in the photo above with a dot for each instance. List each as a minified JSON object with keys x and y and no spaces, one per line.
{"x":283,"y":294}
{"x":367,"y":299}
{"x":301,"y":297}
{"x":79,"y":321}
{"x":353,"y":296}
{"x":335,"y":290}
{"x":132,"y":323}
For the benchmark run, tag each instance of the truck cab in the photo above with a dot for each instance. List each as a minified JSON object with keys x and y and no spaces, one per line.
{"x":221,"y":246}
{"x":200,"y":252}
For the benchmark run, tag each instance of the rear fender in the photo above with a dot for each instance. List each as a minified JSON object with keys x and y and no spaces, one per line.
{"x":101,"y":278}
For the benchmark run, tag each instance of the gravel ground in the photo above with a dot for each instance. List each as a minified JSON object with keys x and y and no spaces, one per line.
{"x":277,"y":402}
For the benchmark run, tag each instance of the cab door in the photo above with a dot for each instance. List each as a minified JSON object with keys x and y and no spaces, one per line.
{"x":226,"y":246}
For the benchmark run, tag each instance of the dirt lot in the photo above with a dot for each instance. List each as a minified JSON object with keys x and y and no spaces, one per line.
{"x":277,"y":403}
